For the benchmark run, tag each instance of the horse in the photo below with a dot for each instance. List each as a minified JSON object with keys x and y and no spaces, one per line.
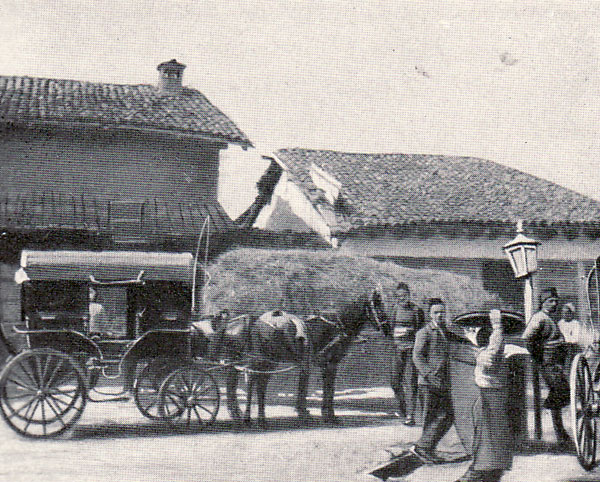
{"x":262,"y":346}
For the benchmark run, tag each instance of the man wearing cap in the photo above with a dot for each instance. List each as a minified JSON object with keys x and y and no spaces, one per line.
{"x":407,"y":319}
{"x":430,"y":356}
{"x":546,"y":344}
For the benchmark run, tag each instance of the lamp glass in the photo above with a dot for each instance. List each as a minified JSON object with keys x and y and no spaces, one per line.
{"x":523,"y":259}
{"x":522,"y":254}
{"x":530,"y":258}
{"x":520,"y":261}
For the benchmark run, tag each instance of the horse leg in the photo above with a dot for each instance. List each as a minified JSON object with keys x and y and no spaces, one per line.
{"x":249,"y":390}
{"x":303,"y":377}
{"x":232,"y":402}
{"x":261,"y":391}
{"x":328,"y":373}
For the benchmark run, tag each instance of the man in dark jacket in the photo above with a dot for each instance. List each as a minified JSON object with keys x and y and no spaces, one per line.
{"x":407,"y":318}
{"x":547,"y":347}
{"x":430,"y":355}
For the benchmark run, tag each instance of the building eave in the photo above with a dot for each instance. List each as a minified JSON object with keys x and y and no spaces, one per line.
{"x":472,"y":229}
{"x":221,"y":142}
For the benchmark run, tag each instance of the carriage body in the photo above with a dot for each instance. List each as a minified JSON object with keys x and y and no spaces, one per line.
{"x":89,"y":316}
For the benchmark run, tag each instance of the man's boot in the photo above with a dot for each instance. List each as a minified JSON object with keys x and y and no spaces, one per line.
{"x":562,"y":436}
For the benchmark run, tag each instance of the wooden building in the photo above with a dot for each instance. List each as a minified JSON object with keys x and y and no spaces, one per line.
{"x":101,"y":166}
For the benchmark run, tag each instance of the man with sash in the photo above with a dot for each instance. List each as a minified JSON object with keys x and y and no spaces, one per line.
{"x":407,"y":319}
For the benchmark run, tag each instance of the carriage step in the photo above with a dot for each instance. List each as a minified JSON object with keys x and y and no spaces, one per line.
{"x":100,"y":397}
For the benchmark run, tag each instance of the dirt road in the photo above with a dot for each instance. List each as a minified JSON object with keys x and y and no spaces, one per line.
{"x":113,"y":442}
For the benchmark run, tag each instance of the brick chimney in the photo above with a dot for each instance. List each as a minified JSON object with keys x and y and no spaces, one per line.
{"x":170,"y":75}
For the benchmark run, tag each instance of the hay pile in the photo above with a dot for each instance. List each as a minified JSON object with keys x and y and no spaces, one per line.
{"x":309,"y":282}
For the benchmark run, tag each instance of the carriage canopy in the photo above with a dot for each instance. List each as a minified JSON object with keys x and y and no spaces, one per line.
{"x":105,"y":266}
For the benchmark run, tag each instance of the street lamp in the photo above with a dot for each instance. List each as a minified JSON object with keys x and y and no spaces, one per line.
{"x":522,"y":254}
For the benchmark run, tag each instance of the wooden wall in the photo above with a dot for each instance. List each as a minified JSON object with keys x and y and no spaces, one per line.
{"x":108,"y":165}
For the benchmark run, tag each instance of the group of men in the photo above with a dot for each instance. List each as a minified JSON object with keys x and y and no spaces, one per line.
{"x":421,"y":369}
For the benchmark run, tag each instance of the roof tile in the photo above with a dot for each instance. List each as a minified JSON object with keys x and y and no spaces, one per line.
{"x":396,"y":189}
{"x":36,"y":100}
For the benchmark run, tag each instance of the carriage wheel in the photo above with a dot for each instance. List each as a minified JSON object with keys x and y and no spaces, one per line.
{"x":42,"y":393}
{"x":147,"y":386}
{"x":190,"y":397}
{"x":583,"y":417}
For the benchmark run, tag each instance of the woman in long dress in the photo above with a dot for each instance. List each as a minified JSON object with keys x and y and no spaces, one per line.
{"x":492,"y":448}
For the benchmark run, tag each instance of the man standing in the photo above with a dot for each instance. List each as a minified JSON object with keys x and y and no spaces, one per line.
{"x":569,"y":326}
{"x":575,"y":339}
{"x":407,"y":319}
{"x":430,"y":355}
{"x":545,"y":342}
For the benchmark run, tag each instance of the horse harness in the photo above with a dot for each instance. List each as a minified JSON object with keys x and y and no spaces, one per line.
{"x":245,"y":330}
{"x":341,"y":336}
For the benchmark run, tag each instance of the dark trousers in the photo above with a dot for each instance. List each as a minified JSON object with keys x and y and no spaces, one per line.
{"x":404,"y":381}
{"x":558,"y":386}
{"x":558,"y":396}
{"x":439,"y":416}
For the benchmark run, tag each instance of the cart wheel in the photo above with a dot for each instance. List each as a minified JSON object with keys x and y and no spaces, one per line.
{"x":190,"y":397}
{"x":583,"y":416}
{"x":147,"y":386}
{"x":42,"y":393}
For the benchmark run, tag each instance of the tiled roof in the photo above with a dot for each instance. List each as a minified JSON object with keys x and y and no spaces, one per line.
{"x":35,"y":101}
{"x":397,"y":189}
{"x":57,"y":211}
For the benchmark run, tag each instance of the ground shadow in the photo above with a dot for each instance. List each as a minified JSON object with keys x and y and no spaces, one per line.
{"x":591,"y":477}
{"x":162,"y":429}
{"x":405,"y":463}
{"x":537,"y":447}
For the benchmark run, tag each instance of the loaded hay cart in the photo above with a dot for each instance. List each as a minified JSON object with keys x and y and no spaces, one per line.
{"x":88,"y":317}
{"x":585,"y":379}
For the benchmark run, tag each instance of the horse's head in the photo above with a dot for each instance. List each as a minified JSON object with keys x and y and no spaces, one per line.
{"x":367,"y":309}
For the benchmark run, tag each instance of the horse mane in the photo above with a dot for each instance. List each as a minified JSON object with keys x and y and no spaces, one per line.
{"x":352,"y":314}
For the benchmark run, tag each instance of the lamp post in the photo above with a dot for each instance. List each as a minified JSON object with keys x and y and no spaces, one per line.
{"x":522,"y":254}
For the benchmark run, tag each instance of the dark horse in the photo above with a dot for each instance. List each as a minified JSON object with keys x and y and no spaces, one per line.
{"x":261,"y":346}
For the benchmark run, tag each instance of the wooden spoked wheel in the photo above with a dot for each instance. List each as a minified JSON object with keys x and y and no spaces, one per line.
{"x":189,"y":397}
{"x":147,"y":386}
{"x":583,"y":412}
{"x":42,"y":393}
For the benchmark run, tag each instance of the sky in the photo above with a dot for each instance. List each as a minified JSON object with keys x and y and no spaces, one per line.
{"x":513,"y":82}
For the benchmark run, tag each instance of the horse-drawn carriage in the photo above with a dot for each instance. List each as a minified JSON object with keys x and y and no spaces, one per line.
{"x":91,"y":316}
{"x":585,"y":379}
